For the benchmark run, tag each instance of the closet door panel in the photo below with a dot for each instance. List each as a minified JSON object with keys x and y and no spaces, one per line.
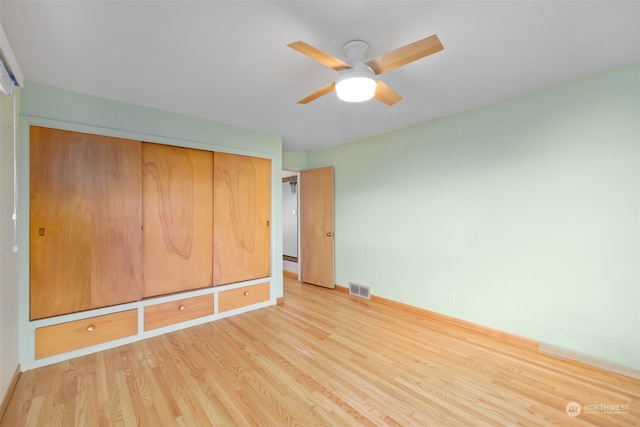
{"x":85,"y":216}
{"x":241,"y":217}
{"x":177,"y":189}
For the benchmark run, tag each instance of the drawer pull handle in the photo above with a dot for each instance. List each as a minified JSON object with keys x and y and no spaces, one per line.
{"x":246,"y":293}
{"x":181,"y":308}
{"x":90,"y":328}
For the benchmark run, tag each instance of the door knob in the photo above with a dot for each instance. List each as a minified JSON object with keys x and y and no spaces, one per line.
{"x":329,"y":234}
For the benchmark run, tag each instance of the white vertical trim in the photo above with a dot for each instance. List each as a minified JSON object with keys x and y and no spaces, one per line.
{"x":14,"y":216}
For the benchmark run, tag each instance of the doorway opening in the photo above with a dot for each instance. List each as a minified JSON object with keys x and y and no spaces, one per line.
{"x":290,"y":223}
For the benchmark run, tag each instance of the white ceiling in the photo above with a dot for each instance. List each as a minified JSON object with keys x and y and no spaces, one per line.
{"x":228,"y":60}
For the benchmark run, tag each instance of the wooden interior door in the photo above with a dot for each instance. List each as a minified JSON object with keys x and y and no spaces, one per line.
{"x":177,"y":202}
{"x":316,"y":227}
{"x":241,"y":218}
{"x":85,"y":217}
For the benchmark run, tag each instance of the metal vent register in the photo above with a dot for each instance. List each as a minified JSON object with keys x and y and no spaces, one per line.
{"x":359,"y":290}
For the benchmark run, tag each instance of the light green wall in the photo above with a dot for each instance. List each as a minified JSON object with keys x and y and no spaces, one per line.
{"x":527,"y":209}
{"x":80,"y":109}
{"x":9,"y":343}
{"x":294,"y":161}
{"x":49,"y":106}
{"x":9,"y":353}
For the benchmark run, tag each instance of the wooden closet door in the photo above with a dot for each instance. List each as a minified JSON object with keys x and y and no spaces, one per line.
{"x":316,"y":227}
{"x":177,"y":199}
{"x":241,"y":216}
{"x":85,"y":213}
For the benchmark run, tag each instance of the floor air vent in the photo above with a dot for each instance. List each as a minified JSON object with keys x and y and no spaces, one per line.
{"x":359,"y":290}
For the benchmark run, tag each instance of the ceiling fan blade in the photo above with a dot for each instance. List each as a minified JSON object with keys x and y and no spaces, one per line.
{"x":405,"y":55}
{"x":385,"y":94}
{"x":317,"y":94}
{"x":318,"y":55}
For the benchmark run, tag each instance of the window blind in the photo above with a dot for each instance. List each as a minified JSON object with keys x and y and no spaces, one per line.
{"x":10,"y":74}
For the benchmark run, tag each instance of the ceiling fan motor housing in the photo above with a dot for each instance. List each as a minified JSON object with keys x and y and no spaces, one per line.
{"x":358,"y":70}
{"x":356,"y":84}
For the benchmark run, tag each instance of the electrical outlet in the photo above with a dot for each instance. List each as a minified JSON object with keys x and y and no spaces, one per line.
{"x":452,"y":297}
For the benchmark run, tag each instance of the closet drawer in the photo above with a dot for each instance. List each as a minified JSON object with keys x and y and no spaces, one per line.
{"x":56,"y":339}
{"x":241,"y":297}
{"x":168,"y":313}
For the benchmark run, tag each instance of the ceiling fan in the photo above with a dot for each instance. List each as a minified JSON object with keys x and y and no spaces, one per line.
{"x":356,"y":82}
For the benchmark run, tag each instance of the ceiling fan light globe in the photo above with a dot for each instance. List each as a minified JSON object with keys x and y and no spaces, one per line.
{"x":356,"y":88}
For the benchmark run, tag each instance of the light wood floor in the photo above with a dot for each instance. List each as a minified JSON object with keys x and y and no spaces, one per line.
{"x":323,"y":358}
